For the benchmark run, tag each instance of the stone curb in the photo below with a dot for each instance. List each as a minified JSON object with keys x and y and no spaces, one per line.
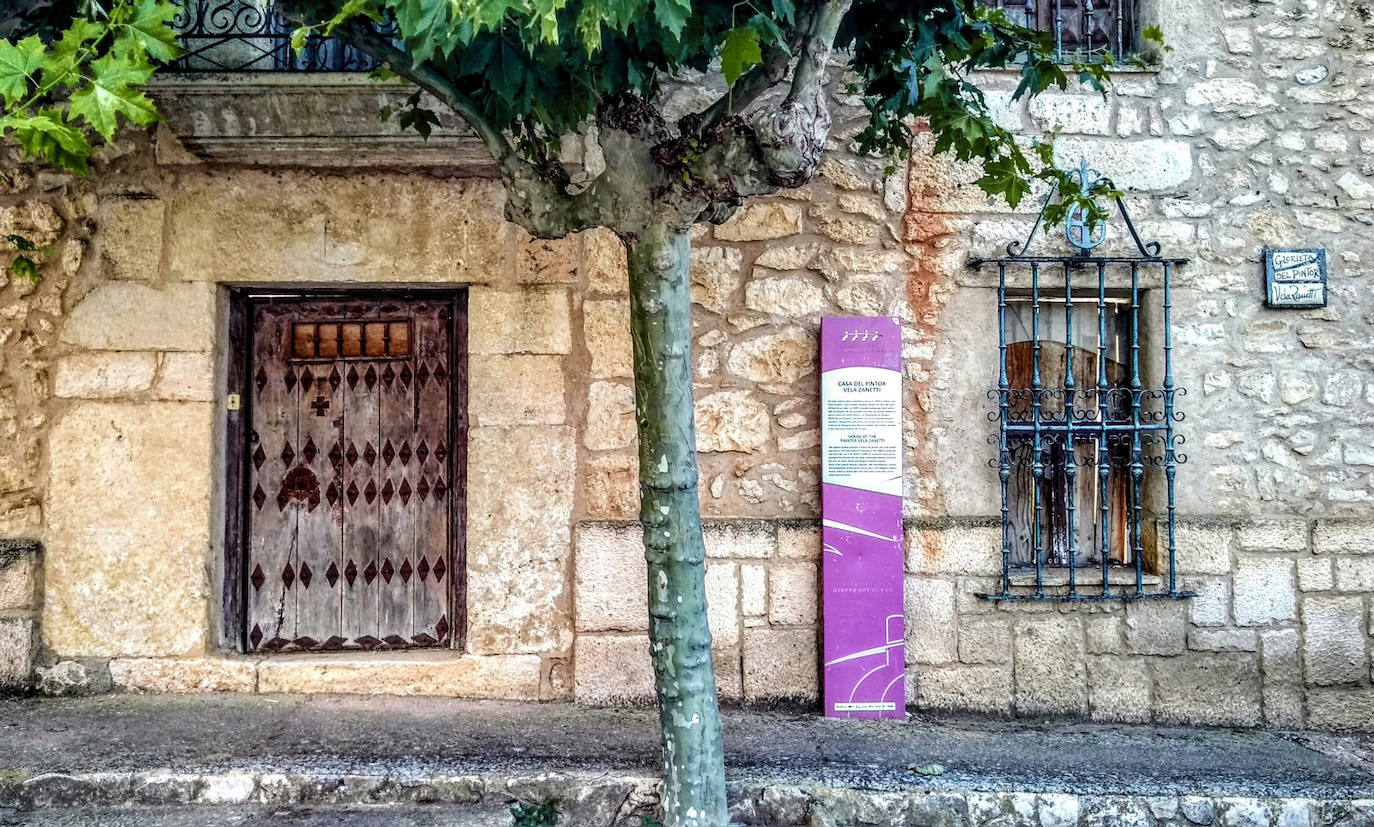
{"x":620,"y":800}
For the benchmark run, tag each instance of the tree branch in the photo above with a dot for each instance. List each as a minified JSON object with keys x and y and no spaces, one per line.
{"x":379,"y":48}
{"x":747,"y":89}
{"x":820,"y":40}
{"x":535,"y":198}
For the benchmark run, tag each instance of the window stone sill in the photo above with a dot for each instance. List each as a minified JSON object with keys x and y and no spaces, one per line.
{"x":304,"y":119}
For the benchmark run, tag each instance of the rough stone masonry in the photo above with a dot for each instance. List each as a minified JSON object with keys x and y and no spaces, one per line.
{"x":1254,"y":132}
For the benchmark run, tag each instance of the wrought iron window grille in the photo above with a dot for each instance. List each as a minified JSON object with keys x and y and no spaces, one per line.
{"x":251,"y":36}
{"x":1088,"y":30}
{"x":1083,"y":439}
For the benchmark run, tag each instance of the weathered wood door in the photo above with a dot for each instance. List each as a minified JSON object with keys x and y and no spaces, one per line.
{"x":350,"y":475}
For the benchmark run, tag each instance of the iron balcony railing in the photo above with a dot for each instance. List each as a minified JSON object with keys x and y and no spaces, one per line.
{"x":1087,"y":454}
{"x":250,"y":36}
{"x":1082,"y":29}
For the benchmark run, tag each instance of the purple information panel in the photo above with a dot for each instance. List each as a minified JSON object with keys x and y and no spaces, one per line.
{"x":861,"y":490}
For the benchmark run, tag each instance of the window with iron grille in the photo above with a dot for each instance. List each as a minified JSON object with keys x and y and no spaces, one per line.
{"x":251,"y":36}
{"x":1082,"y":29}
{"x":1087,"y":453}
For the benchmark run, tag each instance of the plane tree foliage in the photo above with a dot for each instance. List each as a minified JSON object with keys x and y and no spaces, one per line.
{"x":527,"y":74}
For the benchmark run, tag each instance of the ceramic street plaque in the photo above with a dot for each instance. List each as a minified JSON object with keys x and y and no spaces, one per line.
{"x":861,"y":490}
{"x":1295,"y":278}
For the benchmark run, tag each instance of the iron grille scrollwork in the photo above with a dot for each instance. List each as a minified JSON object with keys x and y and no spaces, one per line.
{"x":1082,"y":29}
{"x":251,"y":36}
{"x":1085,"y":445}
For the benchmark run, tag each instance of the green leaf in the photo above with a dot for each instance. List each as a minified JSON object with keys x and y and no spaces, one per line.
{"x":44,"y":136}
{"x":24,"y":269}
{"x":18,"y":63}
{"x":300,"y":36}
{"x":107,"y":95}
{"x":672,"y":15}
{"x":927,"y":769}
{"x":739,"y":53}
{"x":151,"y":27}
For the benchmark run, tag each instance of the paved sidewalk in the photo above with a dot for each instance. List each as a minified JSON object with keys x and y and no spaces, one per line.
{"x":118,"y":750}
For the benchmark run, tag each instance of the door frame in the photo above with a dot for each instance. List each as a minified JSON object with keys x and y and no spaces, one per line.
{"x":242,"y":302}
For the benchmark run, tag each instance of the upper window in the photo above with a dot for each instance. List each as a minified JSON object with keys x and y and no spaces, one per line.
{"x":250,"y":36}
{"x":1082,"y":29}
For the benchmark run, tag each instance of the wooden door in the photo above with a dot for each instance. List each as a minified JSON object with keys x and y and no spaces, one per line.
{"x":350,"y":475}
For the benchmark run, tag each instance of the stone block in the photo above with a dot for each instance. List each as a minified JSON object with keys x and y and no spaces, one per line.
{"x":606,"y":330}
{"x":716,"y":274}
{"x":184,"y":675}
{"x":931,"y":622}
{"x":1118,"y":689}
{"x":519,"y":321}
{"x":1341,"y":709}
{"x":131,"y":237}
{"x":963,"y":688}
{"x":89,"y":676}
{"x":954,"y":549}
{"x":777,"y":358}
{"x":547,"y":261}
{"x":18,"y":652}
{"x":516,"y":390}
{"x":984,"y":640}
{"x":603,"y":262}
{"x":1355,"y":574}
{"x":754,"y":590}
{"x":761,"y":220}
{"x":186,"y":377}
{"x":1283,"y":705}
{"x":1083,"y":114}
{"x":19,"y":574}
{"x":296,"y":225}
{"x":120,"y":315}
{"x":1212,"y":605}
{"x":1333,"y":640}
{"x":1157,"y":627}
{"x":1273,"y":535}
{"x":780,"y":665}
{"x":611,"y":579}
{"x":745,"y":539}
{"x":1104,"y":634}
{"x":1223,"y":640}
{"x":732,"y":421}
{"x":518,"y":535}
{"x":444,"y":674}
{"x":103,"y":375}
{"x":792,"y":296}
{"x":1335,"y":536}
{"x":1203,"y":548}
{"x":1221,"y":689}
{"x":128,"y":532}
{"x":1051,"y":673}
{"x":1264,"y":591}
{"x":612,"y":487}
{"x":723,"y":604}
{"x":610,"y":417}
{"x":799,"y":542}
{"x":729,"y":675}
{"x":1315,"y":574}
{"x":612,"y":670}
{"x":1150,"y":165}
{"x":793,"y":594}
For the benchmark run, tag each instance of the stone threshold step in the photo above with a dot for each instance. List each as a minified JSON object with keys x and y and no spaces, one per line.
{"x":615,"y":799}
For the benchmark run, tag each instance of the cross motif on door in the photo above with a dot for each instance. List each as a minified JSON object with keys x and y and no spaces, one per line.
{"x":320,"y":406}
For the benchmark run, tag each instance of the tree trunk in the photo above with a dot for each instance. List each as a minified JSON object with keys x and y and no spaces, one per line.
{"x":679,"y":638}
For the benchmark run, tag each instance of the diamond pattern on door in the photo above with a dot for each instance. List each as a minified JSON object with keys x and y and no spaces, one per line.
{"x":353,"y":550}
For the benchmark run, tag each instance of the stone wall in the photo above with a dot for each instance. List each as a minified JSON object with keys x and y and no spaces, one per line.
{"x":1246,"y":137}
